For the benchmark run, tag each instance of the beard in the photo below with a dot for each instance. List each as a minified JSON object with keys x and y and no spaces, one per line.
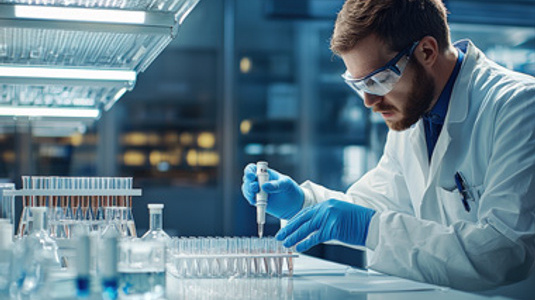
{"x":419,"y":100}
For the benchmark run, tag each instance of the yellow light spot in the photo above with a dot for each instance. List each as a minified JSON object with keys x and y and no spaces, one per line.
{"x":134,"y":158}
{"x":155,"y":157}
{"x":191,"y":158}
{"x":77,"y":139}
{"x":9,"y":156}
{"x":186,"y":138}
{"x":206,"y":140}
{"x":135,"y":139}
{"x":208,"y":159}
{"x":246,"y":65}
{"x":245,"y":126}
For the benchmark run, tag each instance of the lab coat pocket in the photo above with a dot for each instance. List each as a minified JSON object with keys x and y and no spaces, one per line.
{"x":475,"y":193}
{"x":454,"y":209}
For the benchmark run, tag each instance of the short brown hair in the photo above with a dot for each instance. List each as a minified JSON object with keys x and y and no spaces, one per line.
{"x":396,"y":22}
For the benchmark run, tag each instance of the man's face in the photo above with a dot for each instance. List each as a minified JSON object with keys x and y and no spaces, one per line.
{"x":410,"y":98}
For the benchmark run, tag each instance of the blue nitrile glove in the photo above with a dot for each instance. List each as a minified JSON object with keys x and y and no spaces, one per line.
{"x":285,"y":197}
{"x":329,"y":220}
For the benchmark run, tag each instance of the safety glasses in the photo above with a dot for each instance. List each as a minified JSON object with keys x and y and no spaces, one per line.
{"x":381,"y":81}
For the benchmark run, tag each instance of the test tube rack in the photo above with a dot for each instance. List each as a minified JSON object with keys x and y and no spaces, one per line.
{"x":223,"y":257}
{"x":88,"y":201}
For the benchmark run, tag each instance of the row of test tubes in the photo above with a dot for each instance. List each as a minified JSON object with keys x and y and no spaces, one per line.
{"x":217,"y":257}
{"x":78,"y":202}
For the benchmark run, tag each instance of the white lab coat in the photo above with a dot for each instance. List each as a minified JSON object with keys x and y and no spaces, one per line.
{"x":421,"y":229}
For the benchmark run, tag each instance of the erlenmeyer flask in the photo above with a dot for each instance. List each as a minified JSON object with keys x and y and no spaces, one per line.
{"x":41,"y":235}
{"x":41,"y":257}
{"x":156,"y":231}
{"x":112,"y":228}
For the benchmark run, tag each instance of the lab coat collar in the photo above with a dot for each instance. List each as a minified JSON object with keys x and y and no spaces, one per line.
{"x":458,"y":107}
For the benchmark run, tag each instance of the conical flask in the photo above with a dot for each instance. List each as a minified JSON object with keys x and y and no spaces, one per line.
{"x":156,"y":231}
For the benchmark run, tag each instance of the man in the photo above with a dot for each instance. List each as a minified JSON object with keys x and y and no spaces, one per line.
{"x":452,"y":199}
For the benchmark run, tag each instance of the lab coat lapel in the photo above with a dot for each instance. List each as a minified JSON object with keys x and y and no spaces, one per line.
{"x":418,"y":177}
{"x":438,"y":154}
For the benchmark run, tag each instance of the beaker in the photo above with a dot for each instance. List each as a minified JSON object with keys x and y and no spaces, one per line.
{"x":142,"y":269}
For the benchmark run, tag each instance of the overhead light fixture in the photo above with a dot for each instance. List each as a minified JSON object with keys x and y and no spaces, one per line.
{"x":67,"y":73}
{"x":80,"y":14}
{"x":49,"y":112}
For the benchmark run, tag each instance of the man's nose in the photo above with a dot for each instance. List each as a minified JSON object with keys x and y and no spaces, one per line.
{"x":370,"y":100}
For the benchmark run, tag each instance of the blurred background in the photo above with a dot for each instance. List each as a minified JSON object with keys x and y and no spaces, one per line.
{"x":246,"y":80}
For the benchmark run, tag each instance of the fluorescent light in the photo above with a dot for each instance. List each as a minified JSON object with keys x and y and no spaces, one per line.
{"x":80,"y":14}
{"x":49,"y":112}
{"x":66,"y":73}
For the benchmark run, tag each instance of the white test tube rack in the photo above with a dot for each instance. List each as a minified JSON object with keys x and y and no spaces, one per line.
{"x":74,"y":200}
{"x":224,"y":257}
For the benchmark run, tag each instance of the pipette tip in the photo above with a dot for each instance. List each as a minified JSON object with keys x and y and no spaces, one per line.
{"x":260,"y":230}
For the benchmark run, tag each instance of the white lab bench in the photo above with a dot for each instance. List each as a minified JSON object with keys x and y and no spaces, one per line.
{"x":314,"y":278}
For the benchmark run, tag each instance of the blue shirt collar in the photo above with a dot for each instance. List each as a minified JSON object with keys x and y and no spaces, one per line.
{"x":437,"y":114}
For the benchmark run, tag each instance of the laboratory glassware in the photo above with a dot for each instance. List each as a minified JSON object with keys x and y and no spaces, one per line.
{"x":39,"y":237}
{"x":83,"y":259}
{"x":221,"y":257}
{"x":156,"y":231}
{"x":6,"y":248}
{"x":7,"y":206}
{"x":41,"y":257}
{"x":142,"y":269}
{"x":108,"y":264}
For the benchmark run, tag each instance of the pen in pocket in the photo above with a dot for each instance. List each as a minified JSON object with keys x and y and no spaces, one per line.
{"x":463,"y":189}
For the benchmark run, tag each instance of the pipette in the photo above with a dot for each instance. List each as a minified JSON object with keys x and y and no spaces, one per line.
{"x":262,"y":197}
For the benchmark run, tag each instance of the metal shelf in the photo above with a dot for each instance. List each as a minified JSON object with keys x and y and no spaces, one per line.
{"x":175,"y":6}
{"x":80,"y":53}
{"x":84,"y":37}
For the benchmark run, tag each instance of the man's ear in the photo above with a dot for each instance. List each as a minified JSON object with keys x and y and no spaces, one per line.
{"x":427,"y":51}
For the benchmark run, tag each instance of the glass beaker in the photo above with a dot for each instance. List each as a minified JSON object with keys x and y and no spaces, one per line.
{"x":142,"y":269}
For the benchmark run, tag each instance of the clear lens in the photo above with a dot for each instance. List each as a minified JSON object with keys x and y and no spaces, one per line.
{"x":380,"y":83}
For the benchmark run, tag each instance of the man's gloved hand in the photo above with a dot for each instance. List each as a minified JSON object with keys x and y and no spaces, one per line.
{"x":329,"y":220}
{"x":285,"y":197}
